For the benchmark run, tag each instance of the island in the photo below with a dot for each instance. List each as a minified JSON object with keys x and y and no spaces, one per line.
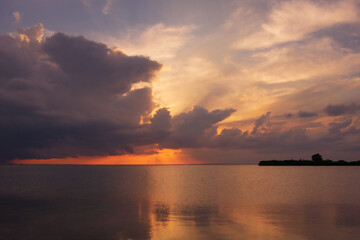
{"x":317,"y":160}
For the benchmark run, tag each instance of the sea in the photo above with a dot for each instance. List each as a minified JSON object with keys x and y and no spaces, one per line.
{"x":58,"y":202}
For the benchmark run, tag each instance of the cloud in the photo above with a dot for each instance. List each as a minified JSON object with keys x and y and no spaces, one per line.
{"x":293,"y":20}
{"x":89,"y":61}
{"x":341,"y":109}
{"x":107,"y":6}
{"x":262,"y":123}
{"x":17,"y":17}
{"x":161,"y":120}
{"x":266,"y":139}
{"x":292,"y":78}
{"x":65,"y":96}
{"x":167,"y":44}
{"x":313,"y":59}
{"x":68,"y":96}
{"x":160,"y":41}
{"x":31,"y":34}
{"x":304,"y":114}
{"x":195,"y":128}
{"x":198,"y":129}
{"x":336,"y":127}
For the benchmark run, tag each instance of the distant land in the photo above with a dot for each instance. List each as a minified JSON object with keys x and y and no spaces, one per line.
{"x":316,"y":161}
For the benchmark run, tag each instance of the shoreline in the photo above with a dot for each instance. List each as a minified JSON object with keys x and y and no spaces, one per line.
{"x":307,"y":163}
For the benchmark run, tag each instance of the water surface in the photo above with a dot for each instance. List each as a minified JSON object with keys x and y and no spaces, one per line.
{"x":179,"y":202}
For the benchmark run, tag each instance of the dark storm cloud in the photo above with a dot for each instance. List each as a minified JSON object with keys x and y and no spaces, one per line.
{"x":161,"y":123}
{"x":68,"y":96}
{"x":304,"y":114}
{"x":261,"y":123}
{"x":342,"y":109}
{"x":12,"y":63}
{"x":97,"y":66}
{"x":195,"y":128}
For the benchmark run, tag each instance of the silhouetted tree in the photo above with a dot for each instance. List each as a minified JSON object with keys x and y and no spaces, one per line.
{"x":316,"y":157}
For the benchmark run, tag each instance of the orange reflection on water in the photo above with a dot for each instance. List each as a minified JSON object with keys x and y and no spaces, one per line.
{"x":162,"y":157}
{"x":185,"y":202}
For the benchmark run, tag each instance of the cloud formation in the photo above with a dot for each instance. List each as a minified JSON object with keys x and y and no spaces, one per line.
{"x":198,"y":129}
{"x":304,"y":114}
{"x":342,"y":109}
{"x":17,"y":17}
{"x":293,"y":20}
{"x":195,"y":128}
{"x":69,"y":96}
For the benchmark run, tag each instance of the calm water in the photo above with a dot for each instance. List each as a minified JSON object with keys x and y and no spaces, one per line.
{"x":179,"y":202}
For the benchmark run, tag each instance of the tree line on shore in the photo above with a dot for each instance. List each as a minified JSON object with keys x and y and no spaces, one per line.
{"x":316,"y":160}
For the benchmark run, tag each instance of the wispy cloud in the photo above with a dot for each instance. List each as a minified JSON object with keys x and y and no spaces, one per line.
{"x":106,"y":8}
{"x":293,"y":20}
{"x":17,"y":17}
{"x":159,"y":41}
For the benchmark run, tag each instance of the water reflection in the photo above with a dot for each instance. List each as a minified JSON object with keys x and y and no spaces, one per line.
{"x":178,"y":202}
{"x":162,"y":212}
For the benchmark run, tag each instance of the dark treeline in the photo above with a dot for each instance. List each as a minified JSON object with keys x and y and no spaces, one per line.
{"x":316,"y":161}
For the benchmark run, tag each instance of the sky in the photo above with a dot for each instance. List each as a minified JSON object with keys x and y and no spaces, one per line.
{"x":178,"y":82}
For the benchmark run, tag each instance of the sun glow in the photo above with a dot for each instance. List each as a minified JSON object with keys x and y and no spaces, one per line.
{"x":162,"y":157}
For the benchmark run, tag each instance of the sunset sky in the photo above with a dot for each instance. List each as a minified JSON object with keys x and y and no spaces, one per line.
{"x":178,"y":82}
